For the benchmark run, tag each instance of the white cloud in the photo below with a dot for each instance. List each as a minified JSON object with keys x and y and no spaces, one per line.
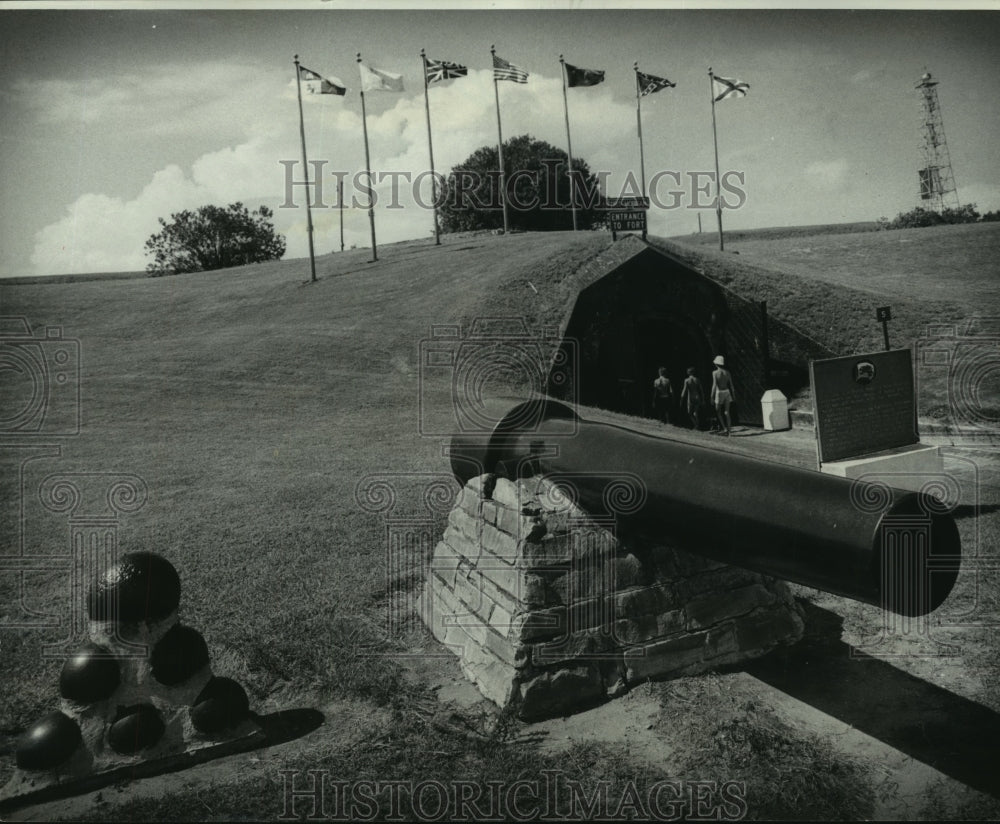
{"x":161,"y":101}
{"x":828,"y":174}
{"x":101,"y":232}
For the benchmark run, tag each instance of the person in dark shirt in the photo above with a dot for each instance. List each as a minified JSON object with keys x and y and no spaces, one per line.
{"x":663,"y":394}
{"x":692,"y":397}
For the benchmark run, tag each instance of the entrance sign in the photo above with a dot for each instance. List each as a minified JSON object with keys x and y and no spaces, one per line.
{"x":627,"y":214}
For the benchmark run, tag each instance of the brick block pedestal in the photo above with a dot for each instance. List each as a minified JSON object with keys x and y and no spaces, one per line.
{"x":548,"y":611}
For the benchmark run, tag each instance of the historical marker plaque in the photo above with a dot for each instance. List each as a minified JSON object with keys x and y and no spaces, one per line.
{"x":863,"y":404}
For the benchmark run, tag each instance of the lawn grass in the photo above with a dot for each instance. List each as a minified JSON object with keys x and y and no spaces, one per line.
{"x":719,"y":732}
{"x":940,"y":282}
{"x":711,"y":238}
{"x":936,"y":263}
{"x":251,"y":403}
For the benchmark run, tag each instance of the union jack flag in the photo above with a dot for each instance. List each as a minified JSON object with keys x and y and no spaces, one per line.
{"x":502,"y":70}
{"x":438,"y":70}
{"x":650,"y":83}
{"x":729,"y":88}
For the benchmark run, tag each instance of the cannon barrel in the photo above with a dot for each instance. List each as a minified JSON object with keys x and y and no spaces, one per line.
{"x":895,"y":549}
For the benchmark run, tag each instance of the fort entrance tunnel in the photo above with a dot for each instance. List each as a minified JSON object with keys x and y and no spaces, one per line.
{"x":644,"y":308}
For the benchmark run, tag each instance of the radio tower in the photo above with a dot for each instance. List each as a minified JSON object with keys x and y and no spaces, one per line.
{"x":937,"y":183}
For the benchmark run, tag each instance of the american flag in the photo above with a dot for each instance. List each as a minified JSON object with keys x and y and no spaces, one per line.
{"x":438,"y":70}
{"x":650,"y":83}
{"x":502,"y":70}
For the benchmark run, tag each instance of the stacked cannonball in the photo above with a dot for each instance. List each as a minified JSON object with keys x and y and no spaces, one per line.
{"x":141,"y":689}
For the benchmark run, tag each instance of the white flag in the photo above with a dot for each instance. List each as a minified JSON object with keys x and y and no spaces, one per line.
{"x":729,"y":88}
{"x":376,"y":80}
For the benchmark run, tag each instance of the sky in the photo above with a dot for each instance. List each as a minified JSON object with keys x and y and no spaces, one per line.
{"x":113,"y":118}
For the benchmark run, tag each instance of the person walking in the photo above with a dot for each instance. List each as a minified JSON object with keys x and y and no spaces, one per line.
{"x":692,"y":397}
{"x":722,"y":392}
{"x":663,"y":394}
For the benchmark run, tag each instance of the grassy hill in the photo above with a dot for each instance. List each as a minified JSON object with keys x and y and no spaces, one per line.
{"x":710,"y":238}
{"x":251,"y":402}
{"x":947,"y":263}
{"x":941,"y":282}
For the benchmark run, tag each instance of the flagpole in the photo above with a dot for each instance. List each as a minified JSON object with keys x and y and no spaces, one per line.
{"x":569,"y":142}
{"x":715,"y":138}
{"x":305,"y":166}
{"x":340,"y":203}
{"x":503,"y":173}
{"x":368,"y":169}
{"x":638,"y":122}
{"x":430,"y":149}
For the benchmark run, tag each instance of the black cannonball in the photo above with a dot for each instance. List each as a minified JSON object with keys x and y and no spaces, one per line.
{"x":48,"y":742}
{"x":178,"y":655}
{"x":221,"y":705}
{"x":143,"y":586}
{"x":135,"y":728}
{"x":90,"y":675}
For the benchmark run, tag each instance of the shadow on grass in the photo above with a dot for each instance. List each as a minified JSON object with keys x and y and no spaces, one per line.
{"x":952,"y":734}
{"x":969,"y":511}
{"x":287,"y":725}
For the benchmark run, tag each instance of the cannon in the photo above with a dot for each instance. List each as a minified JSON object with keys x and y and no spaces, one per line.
{"x":896,"y":549}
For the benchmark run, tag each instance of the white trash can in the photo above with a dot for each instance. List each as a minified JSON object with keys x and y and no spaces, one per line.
{"x":774,"y":405}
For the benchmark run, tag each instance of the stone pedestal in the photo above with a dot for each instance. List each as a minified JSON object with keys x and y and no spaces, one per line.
{"x":908,"y":467}
{"x":549,"y":612}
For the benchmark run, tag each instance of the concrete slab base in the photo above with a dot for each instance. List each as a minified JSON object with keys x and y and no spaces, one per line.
{"x":909,"y":467}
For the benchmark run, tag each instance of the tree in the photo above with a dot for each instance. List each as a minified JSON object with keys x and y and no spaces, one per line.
{"x":538,"y":187}
{"x":213,"y":238}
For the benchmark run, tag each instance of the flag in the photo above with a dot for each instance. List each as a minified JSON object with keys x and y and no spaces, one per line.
{"x":376,"y":80}
{"x":728,"y":88}
{"x":317,"y":84}
{"x":437,"y":70}
{"x":650,"y":83}
{"x":582,"y":77}
{"x":502,"y":70}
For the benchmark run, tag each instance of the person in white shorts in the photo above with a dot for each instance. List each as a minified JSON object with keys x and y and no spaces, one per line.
{"x":722,"y":392}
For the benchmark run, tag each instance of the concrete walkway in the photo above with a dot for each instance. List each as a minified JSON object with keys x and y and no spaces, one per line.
{"x":797,"y":446}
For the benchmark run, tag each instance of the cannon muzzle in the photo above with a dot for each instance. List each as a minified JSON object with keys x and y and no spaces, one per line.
{"x":868,"y":541}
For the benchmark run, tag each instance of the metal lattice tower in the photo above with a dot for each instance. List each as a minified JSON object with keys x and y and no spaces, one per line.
{"x":937,"y":182}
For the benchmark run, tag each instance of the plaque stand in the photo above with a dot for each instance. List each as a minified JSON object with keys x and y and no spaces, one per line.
{"x":906,"y":467}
